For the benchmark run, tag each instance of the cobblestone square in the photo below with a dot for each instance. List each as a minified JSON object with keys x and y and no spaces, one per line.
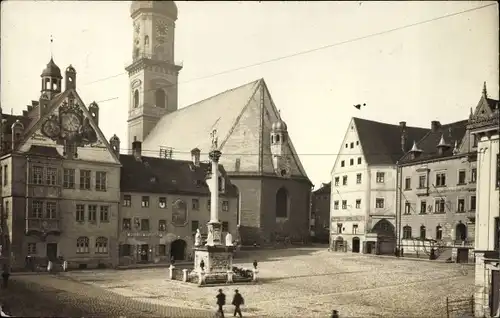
{"x":307,"y":282}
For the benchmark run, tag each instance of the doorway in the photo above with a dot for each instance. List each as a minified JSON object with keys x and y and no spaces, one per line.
{"x":462,"y":255}
{"x":144,"y":253}
{"x":178,"y":250}
{"x":355,"y":244}
{"x":494,"y":292}
{"x":52,"y":251}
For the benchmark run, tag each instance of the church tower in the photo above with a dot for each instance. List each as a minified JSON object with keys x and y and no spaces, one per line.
{"x":153,"y":74}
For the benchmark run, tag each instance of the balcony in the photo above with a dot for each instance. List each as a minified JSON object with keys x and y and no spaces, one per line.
{"x":43,"y":226}
{"x":422,"y":191}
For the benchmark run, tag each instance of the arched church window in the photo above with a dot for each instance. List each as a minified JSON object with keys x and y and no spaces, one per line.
{"x":277,"y":138}
{"x":160,"y":98}
{"x":146,"y":40}
{"x":282,"y":203}
{"x":136,"y":98}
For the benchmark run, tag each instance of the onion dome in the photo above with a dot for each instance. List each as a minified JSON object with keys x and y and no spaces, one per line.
{"x":70,"y":69}
{"x":114,"y":139}
{"x":168,"y":8}
{"x":52,"y":70}
{"x":279,"y":125}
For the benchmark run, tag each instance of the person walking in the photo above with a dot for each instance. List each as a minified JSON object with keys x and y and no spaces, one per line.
{"x":221,"y":301}
{"x":237,"y":302}
{"x":335,"y":314}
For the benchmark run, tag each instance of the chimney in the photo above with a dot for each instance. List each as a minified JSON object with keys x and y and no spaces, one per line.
{"x":195,"y":156}
{"x":402,"y":124}
{"x":136,"y":149}
{"x":435,"y":124}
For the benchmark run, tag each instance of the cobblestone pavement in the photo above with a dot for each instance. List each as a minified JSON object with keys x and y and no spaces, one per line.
{"x":307,"y":282}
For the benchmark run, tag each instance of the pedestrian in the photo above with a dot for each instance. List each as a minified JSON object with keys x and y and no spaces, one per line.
{"x":335,"y":314}
{"x":221,"y":301}
{"x":237,"y":302}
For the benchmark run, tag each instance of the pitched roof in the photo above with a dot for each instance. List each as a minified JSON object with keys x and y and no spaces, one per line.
{"x":193,"y":124}
{"x":44,"y":151}
{"x":381,"y":142}
{"x":325,"y":189}
{"x":7,"y":121}
{"x":451,"y":133}
{"x":167,"y":176}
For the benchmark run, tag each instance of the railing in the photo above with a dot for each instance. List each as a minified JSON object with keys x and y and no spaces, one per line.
{"x":460,"y":307}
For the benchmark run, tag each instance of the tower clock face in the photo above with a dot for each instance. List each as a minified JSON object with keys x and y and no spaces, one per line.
{"x":70,"y":122}
{"x":161,"y":28}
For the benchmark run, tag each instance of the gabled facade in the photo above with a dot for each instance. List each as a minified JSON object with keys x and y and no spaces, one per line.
{"x":363,"y":193}
{"x":163,"y":203}
{"x":60,"y":179}
{"x":257,"y":151}
{"x":484,"y":126}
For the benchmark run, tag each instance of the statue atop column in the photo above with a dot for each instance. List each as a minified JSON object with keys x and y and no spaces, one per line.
{"x":215,"y":139}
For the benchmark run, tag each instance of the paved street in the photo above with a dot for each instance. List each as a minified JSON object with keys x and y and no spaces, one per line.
{"x":295,"y":282}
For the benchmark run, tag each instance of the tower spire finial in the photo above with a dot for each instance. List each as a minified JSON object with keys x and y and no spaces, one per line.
{"x":485,"y":92}
{"x":51,"y":48}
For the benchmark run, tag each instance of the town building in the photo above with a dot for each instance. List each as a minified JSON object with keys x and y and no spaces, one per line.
{"x":320,"y":213}
{"x":60,"y":178}
{"x":257,"y":151}
{"x":164,"y":202}
{"x":363,"y":196}
{"x":437,"y":194}
{"x":484,"y":125}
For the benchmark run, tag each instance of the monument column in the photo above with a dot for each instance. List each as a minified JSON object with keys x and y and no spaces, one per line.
{"x":214,"y":226}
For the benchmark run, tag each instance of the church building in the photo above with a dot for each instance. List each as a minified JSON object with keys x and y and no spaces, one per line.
{"x":60,"y":179}
{"x":257,"y":152}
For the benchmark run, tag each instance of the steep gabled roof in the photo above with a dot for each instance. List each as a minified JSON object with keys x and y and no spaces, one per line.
{"x":325,"y":189}
{"x":381,"y":142}
{"x":451,"y":133}
{"x":167,"y":176}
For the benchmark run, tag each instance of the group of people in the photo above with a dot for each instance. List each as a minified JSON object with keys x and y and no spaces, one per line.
{"x":237,"y":302}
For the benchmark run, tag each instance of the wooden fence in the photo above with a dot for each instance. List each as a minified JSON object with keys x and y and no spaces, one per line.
{"x":462,"y":306}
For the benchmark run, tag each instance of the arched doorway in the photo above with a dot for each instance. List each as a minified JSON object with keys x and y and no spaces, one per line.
{"x":386,"y":237}
{"x":460,"y":232}
{"x":178,"y":250}
{"x":282,"y":203}
{"x":355,"y":244}
{"x":339,"y":244}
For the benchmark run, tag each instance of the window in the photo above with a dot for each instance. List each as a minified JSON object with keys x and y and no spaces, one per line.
{"x":82,"y":245}
{"x":80,"y":213}
{"x":473,"y":203}
{"x":126,"y":224}
{"x":6,"y":210}
{"x":145,"y":202}
{"x":335,"y":205}
{"x":439,"y":232}
{"x":380,"y":177}
{"x":379,"y":203}
{"x":162,"y":225}
{"x":225,"y":226}
{"x":351,"y":162}
{"x":357,"y":142}
{"x":127,"y":200}
{"x":422,"y":182}
{"x":354,"y":229}
{"x":358,"y":178}
{"x":100,"y":181}
{"x":69,"y":178}
{"x":422,"y":232}
{"x":37,"y":174}
{"x":474,"y":141}
{"x":144,"y":224}
{"x":406,"y":232}
{"x":162,"y":202}
{"x":461,"y":177}
{"x":352,"y":145}
{"x":50,"y":210}
{"x":342,"y":163}
{"x":93,"y":213}
{"x":440,"y":179}
{"x":51,"y":176}
{"x":85,"y":179}
{"x":5,"y":175}
{"x":136,"y":98}
{"x":162,"y":250}
{"x":31,"y":248}
{"x":160,"y":98}
{"x":359,"y":160}
{"x":407,"y":207}
{"x":339,"y":228}
{"x":423,"y":207}
{"x":408,"y":184}
{"x":344,"y":204}
{"x":222,"y":184}
{"x":358,"y":204}
{"x":37,"y":209}
{"x":104,"y":213}
{"x":337,"y":181}
{"x":439,"y":206}
{"x":195,"y":225}
{"x":473,"y":175}
{"x":347,"y":145}
{"x":461,"y":205}
{"x":225,"y":206}
{"x":195,"y":204}
{"x":496,"y":234}
{"x":101,"y":245}
{"x":344,"y":180}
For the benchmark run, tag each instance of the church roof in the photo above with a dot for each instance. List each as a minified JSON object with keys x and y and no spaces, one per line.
{"x":167,"y":176}
{"x":381,"y":142}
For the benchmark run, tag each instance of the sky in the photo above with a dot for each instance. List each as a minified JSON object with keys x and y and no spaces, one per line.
{"x":431,"y":71}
